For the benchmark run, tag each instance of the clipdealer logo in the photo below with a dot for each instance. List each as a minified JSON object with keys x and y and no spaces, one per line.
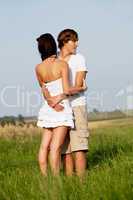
{"x":22,"y":98}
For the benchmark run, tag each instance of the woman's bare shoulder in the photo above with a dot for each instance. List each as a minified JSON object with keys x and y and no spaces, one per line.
{"x":37,"y":67}
{"x":62,"y":63}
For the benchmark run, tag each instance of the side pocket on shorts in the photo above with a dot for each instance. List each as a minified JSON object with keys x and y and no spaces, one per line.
{"x":83,"y":133}
{"x":81,"y":121}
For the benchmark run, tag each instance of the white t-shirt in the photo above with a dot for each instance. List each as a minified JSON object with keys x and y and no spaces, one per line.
{"x":77,"y":63}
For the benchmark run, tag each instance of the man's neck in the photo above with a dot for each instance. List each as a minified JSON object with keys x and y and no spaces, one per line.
{"x":64,"y":54}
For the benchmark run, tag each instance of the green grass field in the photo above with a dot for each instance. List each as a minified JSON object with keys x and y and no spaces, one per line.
{"x":109,"y":175}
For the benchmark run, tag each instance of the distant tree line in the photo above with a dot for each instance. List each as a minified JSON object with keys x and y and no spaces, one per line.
{"x":96,"y":115}
{"x":12,"y":120}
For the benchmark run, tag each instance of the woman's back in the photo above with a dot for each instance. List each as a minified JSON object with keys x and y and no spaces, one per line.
{"x":50,"y":70}
{"x":51,"y":76}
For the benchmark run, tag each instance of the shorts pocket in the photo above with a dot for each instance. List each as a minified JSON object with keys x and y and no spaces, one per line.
{"x":83,"y":133}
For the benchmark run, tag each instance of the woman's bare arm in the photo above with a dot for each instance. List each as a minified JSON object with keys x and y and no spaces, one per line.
{"x":46,"y":93}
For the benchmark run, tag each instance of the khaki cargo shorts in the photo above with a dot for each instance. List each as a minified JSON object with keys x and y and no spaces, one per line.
{"x":77,"y":139}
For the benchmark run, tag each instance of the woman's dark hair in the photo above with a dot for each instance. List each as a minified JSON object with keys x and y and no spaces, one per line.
{"x":46,"y":45}
{"x":66,"y":35}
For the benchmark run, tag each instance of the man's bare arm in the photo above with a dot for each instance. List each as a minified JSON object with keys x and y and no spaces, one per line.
{"x":79,"y":86}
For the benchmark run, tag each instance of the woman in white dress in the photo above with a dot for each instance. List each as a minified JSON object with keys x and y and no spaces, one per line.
{"x":54,"y":74}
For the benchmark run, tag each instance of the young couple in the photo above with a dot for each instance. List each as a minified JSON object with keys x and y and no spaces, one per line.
{"x":63,"y":115}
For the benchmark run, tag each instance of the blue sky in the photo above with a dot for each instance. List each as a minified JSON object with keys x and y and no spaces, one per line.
{"x":105,"y":31}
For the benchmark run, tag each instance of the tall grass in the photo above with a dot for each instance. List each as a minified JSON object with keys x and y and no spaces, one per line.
{"x":109,"y":175}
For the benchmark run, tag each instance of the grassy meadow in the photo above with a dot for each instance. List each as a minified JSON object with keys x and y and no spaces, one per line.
{"x":110,"y":166}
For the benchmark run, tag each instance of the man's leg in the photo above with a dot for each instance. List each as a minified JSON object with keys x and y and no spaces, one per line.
{"x":68,"y":164}
{"x":79,"y":139}
{"x":80,"y":162}
{"x":79,"y":147}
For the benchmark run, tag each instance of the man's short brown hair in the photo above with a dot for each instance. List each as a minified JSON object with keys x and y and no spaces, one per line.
{"x":66,"y":35}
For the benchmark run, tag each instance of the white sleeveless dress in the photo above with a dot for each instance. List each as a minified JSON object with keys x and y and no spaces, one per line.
{"x":48,"y":117}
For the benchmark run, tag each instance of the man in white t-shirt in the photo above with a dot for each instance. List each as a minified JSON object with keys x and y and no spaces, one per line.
{"x":68,"y":42}
{"x":77,"y":142}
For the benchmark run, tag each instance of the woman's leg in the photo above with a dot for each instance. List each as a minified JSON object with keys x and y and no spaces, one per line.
{"x":44,"y":149}
{"x":67,"y":157}
{"x":58,"y":138}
